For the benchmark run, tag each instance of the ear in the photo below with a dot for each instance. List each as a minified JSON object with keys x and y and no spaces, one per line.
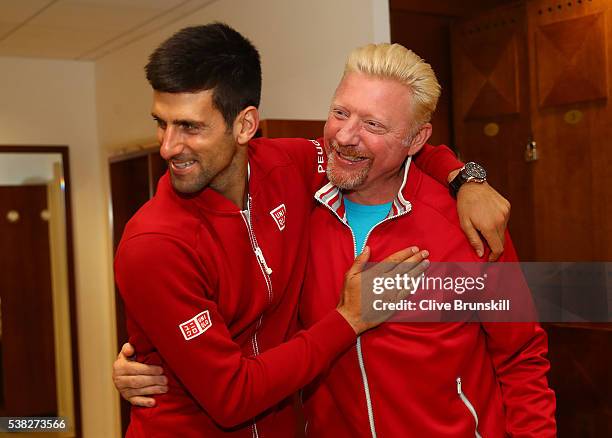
{"x":246,"y":124}
{"x":419,"y":139}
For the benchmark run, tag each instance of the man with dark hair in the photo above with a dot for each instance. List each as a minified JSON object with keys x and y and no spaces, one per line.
{"x":213,"y":57}
{"x":210,"y":269}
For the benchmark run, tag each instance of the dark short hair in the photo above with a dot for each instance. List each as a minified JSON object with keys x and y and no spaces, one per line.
{"x":211,"y":57}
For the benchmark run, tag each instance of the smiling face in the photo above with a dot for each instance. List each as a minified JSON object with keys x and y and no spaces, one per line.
{"x":194,"y":138}
{"x":368,"y":135}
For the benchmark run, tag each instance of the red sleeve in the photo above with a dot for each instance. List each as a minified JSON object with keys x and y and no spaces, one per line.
{"x":519,"y":356}
{"x":161,"y":281}
{"x":519,"y":352}
{"x":437,"y":162}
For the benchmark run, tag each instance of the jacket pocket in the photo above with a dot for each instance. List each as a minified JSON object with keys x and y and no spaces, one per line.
{"x":469,"y":406}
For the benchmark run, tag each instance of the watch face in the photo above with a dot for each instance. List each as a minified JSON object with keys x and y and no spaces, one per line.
{"x":475,"y":170}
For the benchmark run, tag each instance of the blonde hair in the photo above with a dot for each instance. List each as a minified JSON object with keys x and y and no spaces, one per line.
{"x":394,"y":61}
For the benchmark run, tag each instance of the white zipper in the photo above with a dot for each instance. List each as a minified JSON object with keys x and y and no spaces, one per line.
{"x":364,"y":376}
{"x":254,"y":431}
{"x":366,"y":387}
{"x":266,"y":271}
{"x":381,"y":222}
{"x":262,"y":260}
{"x":468,"y":405}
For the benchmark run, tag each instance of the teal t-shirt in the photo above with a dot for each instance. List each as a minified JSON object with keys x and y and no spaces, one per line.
{"x":361,"y":218}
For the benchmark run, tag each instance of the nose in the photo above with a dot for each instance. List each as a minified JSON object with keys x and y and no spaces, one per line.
{"x":348,"y":134}
{"x":170,"y":144}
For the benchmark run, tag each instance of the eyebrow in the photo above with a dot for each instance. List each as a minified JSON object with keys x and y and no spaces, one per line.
{"x":181,"y":122}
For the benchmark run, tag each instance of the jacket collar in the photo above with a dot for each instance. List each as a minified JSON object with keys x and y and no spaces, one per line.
{"x":331,"y":196}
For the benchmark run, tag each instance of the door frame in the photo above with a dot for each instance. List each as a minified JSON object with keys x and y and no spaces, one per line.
{"x":74,"y":345}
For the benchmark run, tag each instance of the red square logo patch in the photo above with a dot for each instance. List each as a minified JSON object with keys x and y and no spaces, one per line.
{"x":195,"y":326}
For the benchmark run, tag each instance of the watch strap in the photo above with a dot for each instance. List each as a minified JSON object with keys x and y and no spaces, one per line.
{"x":456,"y":184}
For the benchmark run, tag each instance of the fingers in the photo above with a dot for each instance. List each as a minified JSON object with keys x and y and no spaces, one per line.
{"x":421,"y":264}
{"x":419,"y":269}
{"x":407,"y":258}
{"x":482,"y":209}
{"x":135,"y":380}
{"x":505,"y":209}
{"x":132,"y":368}
{"x":473,"y":237}
{"x":127,"y":350}
{"x":495,"y":240}
{"x":413,"y":267}
{"x":139,"y":382}
{"x":359,"y":263}
{"x":146,"y":391}
{"x":145,"y":402}
{"x":396,"y":258}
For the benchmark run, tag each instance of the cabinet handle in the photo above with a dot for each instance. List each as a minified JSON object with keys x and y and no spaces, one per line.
{"x":12,"y":216}
{"x":531,"y":151}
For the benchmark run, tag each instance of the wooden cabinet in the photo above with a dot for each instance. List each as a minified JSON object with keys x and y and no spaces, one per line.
{"x":278,"y":128}
{"x":536,"y":71}
{"x":539,"y":71}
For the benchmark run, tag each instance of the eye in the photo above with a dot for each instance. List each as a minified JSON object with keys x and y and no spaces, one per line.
{"x":160,"y":123}
{"x":339,"y":113}
{"x":190,"y":128}
{"x":374,"y":126}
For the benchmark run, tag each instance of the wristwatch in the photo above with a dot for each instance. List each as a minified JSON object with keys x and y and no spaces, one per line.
{"x":471,"y":172}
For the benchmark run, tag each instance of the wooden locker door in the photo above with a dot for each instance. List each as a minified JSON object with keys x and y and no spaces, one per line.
{"x":491,"y":108}
{"x":27,"y":336}
{"x":570,"y":65}
{"x":561,"y":202}
{"x":130,"y":189}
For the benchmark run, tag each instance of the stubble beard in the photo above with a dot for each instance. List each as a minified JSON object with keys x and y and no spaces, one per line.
{"x":345,"y":180}
{"x":192,"y":184}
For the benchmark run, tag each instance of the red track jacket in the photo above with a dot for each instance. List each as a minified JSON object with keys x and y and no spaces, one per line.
{"x":211,"y":294}
{"x":401,"y":379}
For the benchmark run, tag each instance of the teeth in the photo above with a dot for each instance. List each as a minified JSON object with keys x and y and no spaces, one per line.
{"x":183,"y":165}
{"x":351,"y":158}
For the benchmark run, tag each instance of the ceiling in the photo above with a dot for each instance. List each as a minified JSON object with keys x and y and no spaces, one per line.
{"x":83,"y":29}
{"x":90,"y":29}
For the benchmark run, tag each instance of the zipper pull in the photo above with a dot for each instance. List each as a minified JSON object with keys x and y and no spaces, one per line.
{"x":262,"y":260}
{"x":459,"y":385}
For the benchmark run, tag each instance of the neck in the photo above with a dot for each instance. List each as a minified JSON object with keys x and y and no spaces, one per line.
{"x":232,"y":182}
{"x":381,"y":193}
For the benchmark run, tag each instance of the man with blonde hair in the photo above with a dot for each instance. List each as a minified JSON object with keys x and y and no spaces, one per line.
{"x":455,"y":379}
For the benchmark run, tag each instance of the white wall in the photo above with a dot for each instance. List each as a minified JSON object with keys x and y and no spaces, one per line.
{"x":303,"y":45}
{"x":17,"y":169}
{"x":46,"y":102}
